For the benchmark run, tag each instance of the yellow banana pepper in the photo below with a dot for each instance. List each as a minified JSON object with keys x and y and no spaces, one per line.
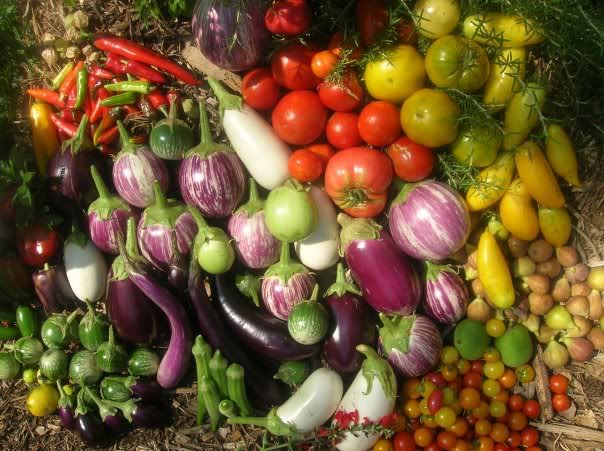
{"x":522,"y":114}
{"x":518,"y":213}
{"x":561,"y":155}
{"x":503,"y":81}
{"x":494,"y":272}
{"x":555,"y":225}
{"x":44,"y":135}
{"x":491,"y":182}
{"x":537,"y":175}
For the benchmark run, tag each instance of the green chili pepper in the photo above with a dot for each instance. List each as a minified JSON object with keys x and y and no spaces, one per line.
{"x":26,"y":321}
{"x":58,"y":80}
{"x":7,"y":315}
{"x":126,"y":98}
{"x":82,"y":88}
{"x":9,"y":333}
{"x":143,"y":87}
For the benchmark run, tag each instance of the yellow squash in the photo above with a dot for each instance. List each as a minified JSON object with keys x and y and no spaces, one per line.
{"x":561,"y":155}
{"x":501,"y":30}
{"x":491,"y":183}
{"x":522,"y":114}
{"x":518,"y":213}
{"x":555,"y":225}
{"x":506,"y":70}
{"x":44,"y":135}
{"x":494,"y":272}
{"x":537,"y":175}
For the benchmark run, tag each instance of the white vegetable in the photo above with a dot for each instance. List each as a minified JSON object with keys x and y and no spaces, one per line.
{"x":320,"y":250}
{"x":85,"y":267}
{"x":372,"y":394}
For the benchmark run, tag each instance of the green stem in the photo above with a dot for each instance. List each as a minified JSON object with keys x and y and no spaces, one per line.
{"x":315,"y":294}
{"x":46,"y":267}
{"x":105,"y":409}
{"x":254,"y":421}
{"x":388,"y":323}
{"x":127,"y":146}
{"x":341,"y":286}
{"x":160,"y":198}
{"x":254,"y":195}
{"x":227,"y":100}
{"x":284,"y":257}
{"x":131,"y":240}
{"x":173,"y":113}
{"x":199,"y":219}
{"x":101,"y":187}
{"x":64,"y":399}
{"x":204,"y":125}
{"x":432,"y":270}
{"x":255,"y":203}
{"x":80,"y":139}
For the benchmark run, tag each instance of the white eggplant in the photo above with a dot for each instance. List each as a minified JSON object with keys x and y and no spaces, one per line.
{"x":85,"y":267}
{"x":320,"y":250}
{"x":372,"y":395}
{"x":262,"y":152}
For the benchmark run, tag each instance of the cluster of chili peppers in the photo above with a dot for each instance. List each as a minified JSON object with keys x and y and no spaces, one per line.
{"x":128,"y":83}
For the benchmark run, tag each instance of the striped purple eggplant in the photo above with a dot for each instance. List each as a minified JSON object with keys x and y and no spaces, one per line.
{"x":429,"y":220}
{"x":256,"y":246}
{"x":446,"y":294}
{"x":135,"y":169}
{"x":412,"y":344}
{"x":285,"y":284}
{"x":211,"y":176}
{"x":385,"y":275}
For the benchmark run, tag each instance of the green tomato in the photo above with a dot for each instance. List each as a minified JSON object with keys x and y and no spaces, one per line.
{"x":476,"y":145}
{"x":290,"y":212}
{"x":216,"y":256}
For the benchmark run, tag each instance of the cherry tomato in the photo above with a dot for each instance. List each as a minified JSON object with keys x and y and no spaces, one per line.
{"x":460,"y":428}
{"x":514,"y":440}
{"x":499,"y":432}
{"x":291,"y":66}
{"x":288,"y":17}
{"x":503,"y":396}
{"x":501,"y":447}
{"x":411,"y":408}
{"x":423,"y":437}
{"x":379,"y":123}
{"x":495,"y":327}
{"x":517,"y":421}
{"x":463,"y":366}
{"x":404,"y":441}
{"x":445,"y":417}
{"x":412,"y":162}
{"x":372,"y":18}
{"x":344,"y":48}
{"x":426,"y":388}
{"x":494,"y":370}
{"x":456,"y":385}
{"x":469,"y":398}
{"x":37,"y":244}
{"x":436,"y":378}
{"x":423,"y":406}
{"x":259,"y":89}
{"x":323,"y":62}
{"x":410,"y":388}
{"x":342,"y":131}
{"x":446,"y":440}
{"x":531,"y":409}
{"x":515,"y":403}
{"x":429,"y":421}
{"x":325,"y":151}
{"x":525,"y":374}
{"x":561,"y":402}
{"x":449,"y":396}
{"x":435,"y":401}
{"x":508,"y":380}
{"x":449,"y":372}
{"x":383,"y":445}
{"x":461,"y":445}
{"x":345,"y":95}
{"x":448,"y":354}
{"x":483,"y":427}
{"x":299,"y":118}
{"x":482,"y":411}
{"x":491,"y":388}
{"x":399,"y":423}
{"x":533,"y":448}
{"x":305,"y":166}
{"x":456,"y":406}
{"x":477,"y":366}
{"x":433,"y":447}
{"x":485,"y":444}
{"x":497,"y":409}
{"x":491,"y":355}
{"x":472,"y":380}
{"x":529,"y":436}
{"x":558,"y":383}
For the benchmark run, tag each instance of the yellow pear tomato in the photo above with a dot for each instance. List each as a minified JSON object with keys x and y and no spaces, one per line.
{"x":494,"y":272}
{"x":522,"y":114}
{"x":561,"y":154}
{"x":555,"y":225}
{"x":537,"y":175}
{"x":506,"y":72}
{"x":491,"y":182}
{"x":518,"y":213}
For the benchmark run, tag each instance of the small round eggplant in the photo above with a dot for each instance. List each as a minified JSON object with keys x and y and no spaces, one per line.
{"x":67,"y":418}
{"x":91,"y":429}
{"x":117,"y":424}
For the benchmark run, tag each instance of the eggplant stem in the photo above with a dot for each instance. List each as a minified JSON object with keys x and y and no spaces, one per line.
{"x":204,"y":124}
{"x":160,"y":198}
{"x":284,"y":257}
{"x":227,"y":100}
{"x":199,"y":219}
{"x":101,"y":187}
{"x":254,"y":421}
{"x":131,"y":241}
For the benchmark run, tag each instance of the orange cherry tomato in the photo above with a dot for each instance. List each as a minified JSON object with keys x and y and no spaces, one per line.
{"x":499,"y":432}
{"x":469,"y":398}
{"x":460,"y":428}
{"x":502,"y":396}
{"x":461,"y":445}
{"x":446,"y":440}
{"x":508,"y":380}
{"x":561,"y":402}
{"x":305,"y":166}
{"x":411,"y":408}
{"x":485,"y":444}
{"x":482,"y":428}
{"x":410,"y":389}
{"x":383,"y":445}
{"x":482,"y":411}
{"x":323,"y":62}
{"x":517,"y":421}
{"x":400,"y":422}
{"x":423,"y":436}
{"x":558,"y":383}
{"x":515,"y":403}
{"x":449,"y":372}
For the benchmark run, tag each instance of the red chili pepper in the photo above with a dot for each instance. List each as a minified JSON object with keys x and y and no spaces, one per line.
{"x":72,"y":116}
{"x":64,"y":127}
{"x":145,"y":106}
{"x":106,"y":149}
{"x":101,"y":73}
{"x":94,"y":83}
{"x":48,"y":96}
{"x":109,"y":136}
{"x":173,"y":97}
{"x":136,"y":52}
{"x":107,"y":122}
{"x":130,"y":109}
{"x":88,"y":106}
{"x":98,"y":110}
{"x":144,"y":71}
{"x":70,"y":80}
{"x":114,"y":64}
{"x":158,"y":100}
{"x":73,"y":96}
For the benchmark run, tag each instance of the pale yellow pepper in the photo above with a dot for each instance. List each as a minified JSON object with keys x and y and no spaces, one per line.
{"x":491,"y":182}
{"x":518,"y":213}
{"x":494,"y":272}
{"x":561,"y":154}
{"x":537,"y":175}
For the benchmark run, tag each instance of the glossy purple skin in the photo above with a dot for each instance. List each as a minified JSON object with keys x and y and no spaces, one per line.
{"x":53,"y":289}
{"x":353,"y":324}
{"x":67,"y":419}
{"x":134,"y":174}
{"x":280,"y":297}
{"x":147,"y":390}
{"x":214,"y":184}
{"x":255,"y":245}
{"x":446,"y":298}
{"x":157,"y":242}
{"x":149,"y":415}
{"x":432,"y":223}
{"x":215,"y":22}
{"x":91,"y":429}
{"x":117,"y":424}
{"x":68,"y":180}
{"x":384,"y":274}
{"x":105,"y":233}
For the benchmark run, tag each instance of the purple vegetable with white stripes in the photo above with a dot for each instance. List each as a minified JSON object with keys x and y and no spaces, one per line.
{"x":107,"y":216}
{"x":384,"y":274}
{"x":135,"y":169}
{"x":256,"y":246}
{"x":429,"y":220}
{"x":412,"y":344}
{"x":211,"y":176}
{"x":285,"y":284}
{"x":446,"y":294}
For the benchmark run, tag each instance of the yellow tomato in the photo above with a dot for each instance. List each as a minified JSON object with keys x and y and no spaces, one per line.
{"x":501,"y":30}
{"x":555,"y":225}
{"x":491,"y":183}
{"x":537,"y":175}
{"x":518,"y":213}
{"x":476,"y":145}
{"x":42,"y":400}
{"x":561,"y":155}
{"x":430,"y":118}
{"x":398,"y":75}
{"x":522,"y":114}
{"x":494,"y":272}
{"x":383,"y":445}
{"x":506,"y":70}
{"x":436,"y":17}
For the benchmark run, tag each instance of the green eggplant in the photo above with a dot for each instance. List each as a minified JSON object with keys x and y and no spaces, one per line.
{"x":111,"y":356}
{"x":60,"y":330}
{"x":93,"y":329}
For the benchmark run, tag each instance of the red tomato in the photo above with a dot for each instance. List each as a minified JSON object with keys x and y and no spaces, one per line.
{"x":291,"y":66}
{"x":37,"y":244}
{"x":558,"y":383}
{"x":561,"y":402}
{"x":516,"y":403}
{"x":501,"y":447}
{"x":344,"y":96}
{"x":472,"y":380}
{"x":529,"y":436}
{"x":342,"y":131}
{"x":437,"y":378}
{"x":357,"y":179}
{"x":299,"y":118}
{"x":404,"y":441}
{"x":531,"y":409}
{"x":478,"y":366}
{"x":379,"y":123}
{"x":341,"y":47}
{"x":435,"y":401}
{"x":288,"y":17}
{"x":259,"y":89}
{"x":406,"y":32}
{"x":372,"y":18}
{"x":305,"y":166}
{"x":412,"y":162}
{"x":323,"y":62}
{"x":446,"y":440}
{"x":432,"y":447}
{"x":514,"y":440}
{"x":325,"y":151}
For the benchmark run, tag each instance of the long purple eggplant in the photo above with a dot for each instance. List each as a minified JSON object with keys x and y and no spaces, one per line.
{"x":261,"y":331}
{"x":353,"y":325}
{"x":385,"y":275}
{"x":265,"y":390}
{"x":53,"y":289}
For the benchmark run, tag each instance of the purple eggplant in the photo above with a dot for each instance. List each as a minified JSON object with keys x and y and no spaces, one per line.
{"x":211,"y":176}
{"x":262,"y":332}
{"x":285,"y":284}
{"x":107,"y":216}
{"x":117,"y":424}
{"x":88,"y":424}
{"x":146,"y":390}
{"x":66,"y":409}
{"x":53,"y":289}
{"x":385,"y":275}
{"x":256,"y":246}
{"x":135,"y":169}
{"x":446,"y":294}
{"x":353,"y":325}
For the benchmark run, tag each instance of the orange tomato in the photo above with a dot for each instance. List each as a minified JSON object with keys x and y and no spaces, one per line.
{"x":485,"y":444}
{"x":460,"y":428}
{"x":411,"y":408}
{"x":423,"y":436}
{"x":499,"y":432}
{"x":323,"y":62}
{"x":517,"y":421}
{"x":482,"y":427}
{"x":469,"y":398}
{"x":410,"y":389}
{"x":508,"y":380}
{"x":400,"y":422}
{"x":446,"y":440}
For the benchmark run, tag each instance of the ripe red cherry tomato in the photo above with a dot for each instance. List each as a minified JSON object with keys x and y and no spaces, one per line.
{"x":558,"y":383}
{"x":343,"y":96}
{"x":529,"y":436}
{"x":325,"y":151}
{"x":561,"y":402}
{"x":299,"y":118}
{"x":259,"y":89}
{"x":342,"y":131}
{"x":412,"y":162}
{"x":305,"y":166}
{"x":291,"y":66}
{"x":37,"y":244}
{"x":531,"y":409}
{"x":379,"y":123}
{"x":288,"y":17}
{"x":404,"y":441}
{"x":323,"y":62}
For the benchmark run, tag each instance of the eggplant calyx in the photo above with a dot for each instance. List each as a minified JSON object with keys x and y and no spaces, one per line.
{"x":341,"y":286}
{"x":433,"y":270}
{"x":80,"y":141}
{"x":106,"y":203}
{"x":128,"y":408}
{"x":207,"y":146}
{"x":295,"y":185}
{"x":272,"y":423}
{"x":227,"y":100}
{"x":285,"y":268}
{"x":128,"y":147}
{"x":81,"y":408}
{"x":164,"y":212}
{"x":254,"y":204}
{"x":395,"y":334}
{"x":375,"y":366}
{"x":356,"y":229}
{"x":77,"y":237}
{"x":249,"y":286}
{"x":402,"y":196}
{"x":64,"y":399}
{"x":105,"y":409}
